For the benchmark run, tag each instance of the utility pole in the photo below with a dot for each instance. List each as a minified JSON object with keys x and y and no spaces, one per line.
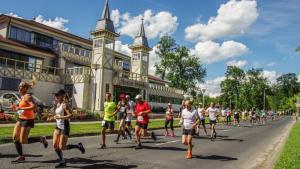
{"x":203,"y":91}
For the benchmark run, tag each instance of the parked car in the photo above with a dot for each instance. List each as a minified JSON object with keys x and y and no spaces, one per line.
{"x":6,"y":100}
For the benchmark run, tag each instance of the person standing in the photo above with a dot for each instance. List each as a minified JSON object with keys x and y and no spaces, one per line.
{"x":25,"y":122}
{"x":169,"y":120}
{"x":61,"y":133}
{"x":142,"y":110}
{"x":110,"y":111}
{"x":201,"y":114}
{"x":189,"y":121}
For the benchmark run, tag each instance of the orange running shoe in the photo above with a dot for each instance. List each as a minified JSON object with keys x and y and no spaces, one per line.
{"x":189,"y":155}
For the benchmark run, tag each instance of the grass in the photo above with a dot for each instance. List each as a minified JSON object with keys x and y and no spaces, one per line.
{"x":76,"y":130}
{"x":290,"y":156}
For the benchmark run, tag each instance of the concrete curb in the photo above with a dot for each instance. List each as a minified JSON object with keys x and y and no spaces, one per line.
{"x":268,"y":158}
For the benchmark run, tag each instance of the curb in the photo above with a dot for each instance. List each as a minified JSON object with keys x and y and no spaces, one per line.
{"x":267,"y":159}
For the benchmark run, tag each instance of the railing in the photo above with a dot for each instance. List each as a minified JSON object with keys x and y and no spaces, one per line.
{"x":22,"y":69}
{"x":78,"y":71}
{"x":165,"y":89}
{"x":71,"y":55}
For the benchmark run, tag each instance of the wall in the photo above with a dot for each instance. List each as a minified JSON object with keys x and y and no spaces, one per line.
{"x":45,"y":90}
{"x":81,"y":95}
{"x":3,"y":30}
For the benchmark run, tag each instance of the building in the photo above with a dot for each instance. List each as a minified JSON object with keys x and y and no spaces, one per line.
{"x":86,"y":68}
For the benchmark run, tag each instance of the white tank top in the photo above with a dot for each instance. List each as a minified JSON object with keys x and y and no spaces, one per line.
{"x":60,"y":112}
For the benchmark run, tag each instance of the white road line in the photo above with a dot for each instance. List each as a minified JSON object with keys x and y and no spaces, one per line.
{"x":167,"y":142}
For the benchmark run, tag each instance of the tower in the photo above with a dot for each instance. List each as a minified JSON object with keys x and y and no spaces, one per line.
{"x":140,"y":53}
{"x":103,"y":58}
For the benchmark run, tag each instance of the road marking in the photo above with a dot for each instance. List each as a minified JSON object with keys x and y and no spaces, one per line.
{"x":174,"y":141}
{"x":226,"y":130}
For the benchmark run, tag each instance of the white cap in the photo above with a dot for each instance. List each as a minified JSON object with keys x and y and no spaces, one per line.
{"x":138,"y":96}
{"x":127,"y":97}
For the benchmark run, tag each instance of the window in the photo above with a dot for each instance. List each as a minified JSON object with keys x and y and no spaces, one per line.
{"x":126,"y":65}
{"x":87,"y":54}
{"x":66,"y":47}
{"x":145,"y":58}
{"x":43,"y":41}
{"x":82,"y":52}
{"x":98,"y":43}
{"x":77,"y":51}
{"x":13,"y":33}
{"x":20,"y":34}
{"x":109,"y":44}
{"x":136,"y":56}
{"x":106,"y":87}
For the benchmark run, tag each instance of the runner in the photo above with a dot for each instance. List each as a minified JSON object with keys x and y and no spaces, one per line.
{"x":212,"y":112}
{"x":142,"y":110}
{"x":169,"y":120}
{"x":228,"y":117}
{"x":25,"y":108}
{"x":122,"y":113}
{"x":264,"y":117}
{"x":189,"y":120}
{"x":236,"y":118}
{"x":253,"y":116}
{"x":130,"y":111}
{"x":61,"y":133}
{"x":201,"y":111}
{"x":223,"y":114}
{"x":110,"y":111}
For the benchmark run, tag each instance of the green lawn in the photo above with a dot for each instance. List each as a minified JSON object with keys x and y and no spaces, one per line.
{"x":290,"y":156}
{"x":76,"y":130}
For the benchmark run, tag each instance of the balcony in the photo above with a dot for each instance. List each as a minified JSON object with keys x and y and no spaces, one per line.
{"x":74,"y":54}
{"x":77,"y":75}
{"x":165,"y":91}
{"x":126,"y":78}
{"x":25,"y":70}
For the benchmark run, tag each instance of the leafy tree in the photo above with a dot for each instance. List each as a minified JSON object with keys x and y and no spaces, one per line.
{"x":288,"y":85}
{"x":185,"y":70}
{"x":165,"y":51}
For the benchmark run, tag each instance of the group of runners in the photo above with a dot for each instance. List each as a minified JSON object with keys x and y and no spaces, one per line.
{"x":191,"y":120}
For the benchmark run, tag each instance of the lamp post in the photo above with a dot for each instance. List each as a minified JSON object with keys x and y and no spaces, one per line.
{"x":203,"y":91}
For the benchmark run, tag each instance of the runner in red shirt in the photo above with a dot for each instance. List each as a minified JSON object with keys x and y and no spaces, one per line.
{"x":141,"y":112}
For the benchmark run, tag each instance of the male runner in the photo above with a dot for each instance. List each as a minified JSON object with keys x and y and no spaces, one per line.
{"x":212,"y":113}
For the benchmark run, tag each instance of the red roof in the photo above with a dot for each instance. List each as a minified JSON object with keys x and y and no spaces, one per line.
{"x":156,"y":78}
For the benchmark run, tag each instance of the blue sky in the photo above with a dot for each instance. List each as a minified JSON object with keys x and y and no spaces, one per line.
{"x":248,"y":33}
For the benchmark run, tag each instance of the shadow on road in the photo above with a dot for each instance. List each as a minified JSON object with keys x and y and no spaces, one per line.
{"x":164,"y":148}
{"x":15,"y":155}
{"x":215,"y":157}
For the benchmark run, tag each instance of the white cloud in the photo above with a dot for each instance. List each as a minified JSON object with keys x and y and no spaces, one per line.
{"x":271,"y":64}
{"x":58,"y":22}
{"x":298,"y":78}
{"x":213,"y":88}
{"x":122,"y":48}
{"x":153,"y":59}
{"x":237,"y":63}
{"x":210,"y":51}
{"x":156,"y":25}
{"x":233,"y":18}
{"x":271,"y":75}
{"x":13,"y":15}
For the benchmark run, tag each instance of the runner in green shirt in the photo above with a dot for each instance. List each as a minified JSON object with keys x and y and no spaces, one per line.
{"x":110,"y":111}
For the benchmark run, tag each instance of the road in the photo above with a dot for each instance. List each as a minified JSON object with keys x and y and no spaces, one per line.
{"x":234,"y":148}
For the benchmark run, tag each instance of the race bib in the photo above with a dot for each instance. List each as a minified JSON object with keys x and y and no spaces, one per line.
{"x":122,"y":109}
{"x":140,"y":118}
{"x":20,"y":112}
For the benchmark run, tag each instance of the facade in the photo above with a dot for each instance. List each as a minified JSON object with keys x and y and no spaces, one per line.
{"x":86,"y":68}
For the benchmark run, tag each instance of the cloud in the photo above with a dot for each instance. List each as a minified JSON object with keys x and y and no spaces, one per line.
{"x":213,"y":88}
{"x":210,"y":52}
{"x":156,"y":25}
{"x":119,"y":47}
{"x":153,"y":59}
{"x":58,"y":22}
{"x":233,"y":18}
{"x":271,"y":75}
{"x":237,"y":63}
{"x":271,"y":64}
{"x":298,"y":78}
{"x":13,"y":15}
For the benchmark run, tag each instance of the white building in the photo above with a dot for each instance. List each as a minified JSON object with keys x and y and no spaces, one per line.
{"x":86,"y":68}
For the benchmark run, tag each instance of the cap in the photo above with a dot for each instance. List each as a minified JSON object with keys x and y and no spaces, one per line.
{"x":138,"y":96}
{"x":169,"y":104}
{"x":127,"y":97}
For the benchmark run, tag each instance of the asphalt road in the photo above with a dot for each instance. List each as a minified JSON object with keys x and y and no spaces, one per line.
{"x":234,"y":148}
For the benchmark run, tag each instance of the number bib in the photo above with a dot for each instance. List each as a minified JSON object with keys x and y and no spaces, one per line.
{"x":140,"y":118}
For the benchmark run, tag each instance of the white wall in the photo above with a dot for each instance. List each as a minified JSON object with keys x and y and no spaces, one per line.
{"x":45,"y":90}
{"x":3,"y":30}
{"x":81,"y":95}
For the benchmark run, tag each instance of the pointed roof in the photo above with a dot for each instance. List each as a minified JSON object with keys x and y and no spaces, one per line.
{"x":105,"y":13}
{"x":105,"y":23}
{"x":141,"y":39}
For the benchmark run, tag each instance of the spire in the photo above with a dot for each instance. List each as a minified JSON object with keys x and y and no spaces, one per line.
{"x":142,"y":29}
{"x":105,"y":13}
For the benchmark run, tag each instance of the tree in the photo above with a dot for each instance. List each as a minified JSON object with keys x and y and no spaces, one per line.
{"x":288,"y":85}
{"x":165,"y":51}
{"x":185,"y":70}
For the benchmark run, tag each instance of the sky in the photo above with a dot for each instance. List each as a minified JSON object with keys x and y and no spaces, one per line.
{"x":245,"y":33}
